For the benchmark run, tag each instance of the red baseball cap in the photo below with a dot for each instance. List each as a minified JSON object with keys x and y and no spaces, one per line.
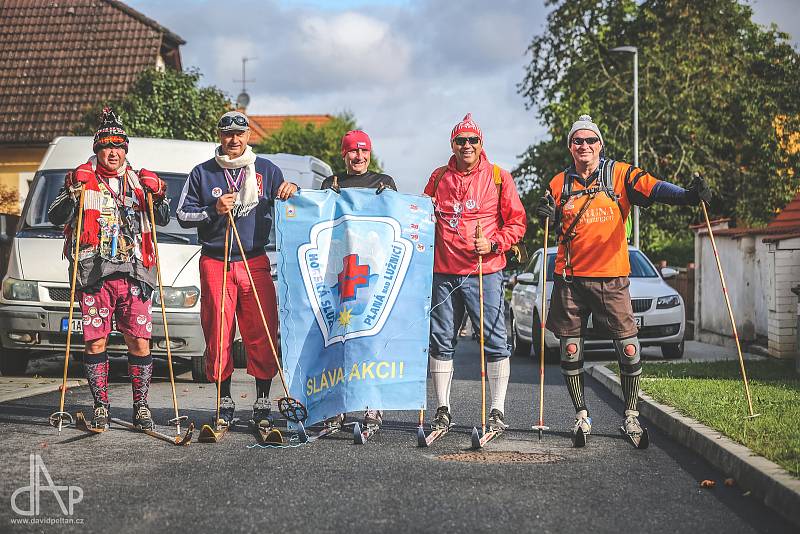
{"x":355,"y":139}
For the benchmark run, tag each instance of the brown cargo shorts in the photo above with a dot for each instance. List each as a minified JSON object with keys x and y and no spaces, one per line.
{"x":608,"y":300}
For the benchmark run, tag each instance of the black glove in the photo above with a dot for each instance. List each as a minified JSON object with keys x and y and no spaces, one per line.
{"x":546,"y":208}
{"x":698,"y":191}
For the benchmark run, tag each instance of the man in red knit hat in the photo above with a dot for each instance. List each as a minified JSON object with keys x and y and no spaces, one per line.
{"x":467,"y":192}
{"x":116,"y":261}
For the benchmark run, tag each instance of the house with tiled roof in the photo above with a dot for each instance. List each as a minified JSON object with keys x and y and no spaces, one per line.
{"x":59,"y":59}
{"x":264,"y":125}
{"x":761,"y":267}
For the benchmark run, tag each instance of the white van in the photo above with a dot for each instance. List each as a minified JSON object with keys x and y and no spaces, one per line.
{"x":34,"y":303}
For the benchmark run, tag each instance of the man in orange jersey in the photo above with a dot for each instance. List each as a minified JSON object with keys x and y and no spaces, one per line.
{"x":588,"y":203}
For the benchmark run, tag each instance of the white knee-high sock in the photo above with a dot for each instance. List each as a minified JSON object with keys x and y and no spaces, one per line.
{"x":442,"y":375}
{"x":498,"y":373}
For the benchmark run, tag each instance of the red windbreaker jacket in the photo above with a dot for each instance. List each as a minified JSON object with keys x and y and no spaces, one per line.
{"x":463,"y":199}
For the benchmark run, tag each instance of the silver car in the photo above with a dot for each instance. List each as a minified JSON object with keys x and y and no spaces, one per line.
{"x":658,"y":309}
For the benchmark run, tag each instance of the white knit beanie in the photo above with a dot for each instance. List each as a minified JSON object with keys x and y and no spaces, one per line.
{"x":584,"y":122}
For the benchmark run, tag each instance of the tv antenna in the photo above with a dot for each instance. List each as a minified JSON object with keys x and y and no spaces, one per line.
{"x":244,"y":99}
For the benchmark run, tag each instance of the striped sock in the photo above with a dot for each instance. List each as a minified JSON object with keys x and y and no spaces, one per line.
{"x":575,"y":388}
{"x":630,"y":390}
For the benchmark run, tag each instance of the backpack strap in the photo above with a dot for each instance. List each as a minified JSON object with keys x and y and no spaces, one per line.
{"x":439,"y":173}
{"x":607,"y":179}
{"x":566,"y":187}
{"x":498,"y":183}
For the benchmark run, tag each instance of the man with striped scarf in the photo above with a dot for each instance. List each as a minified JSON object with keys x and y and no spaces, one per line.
{"x":116,"y":261}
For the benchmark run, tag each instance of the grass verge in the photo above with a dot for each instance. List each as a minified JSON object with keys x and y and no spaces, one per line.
{"x":713,"y":393}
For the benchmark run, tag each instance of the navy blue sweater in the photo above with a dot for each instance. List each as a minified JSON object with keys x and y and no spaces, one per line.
{"x":197,"y":209}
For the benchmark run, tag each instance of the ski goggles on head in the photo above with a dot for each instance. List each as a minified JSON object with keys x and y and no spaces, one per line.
{"x":588,"y":140}
{"x":461,"y":141}
{"x":112,"y":140}
{"x":227,"y":122}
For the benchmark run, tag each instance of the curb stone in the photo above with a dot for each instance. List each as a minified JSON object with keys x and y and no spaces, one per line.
{"x":765,"y":479}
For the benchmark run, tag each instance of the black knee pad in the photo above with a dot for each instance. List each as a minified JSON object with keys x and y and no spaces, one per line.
{"x":629,"y":365}
{"x":571,"y":362}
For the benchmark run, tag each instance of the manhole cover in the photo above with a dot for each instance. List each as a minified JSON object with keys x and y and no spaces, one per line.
{"x":502,"y":457}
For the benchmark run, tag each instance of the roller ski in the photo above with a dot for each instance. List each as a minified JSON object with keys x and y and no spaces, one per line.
{"x":582,"y":428}
{"x":635,"y":432}
{"x":143,"y":422}
{"x":371,"y":425}
{"x":330,"y":426}
{"x":98,"y":423}
{"x":262,"y":424}
{"x":212,"y":433}
{"x":496,"y":427}
{"x":440,"y":426}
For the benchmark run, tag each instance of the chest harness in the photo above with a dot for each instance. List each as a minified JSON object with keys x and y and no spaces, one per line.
{"x":602,"y":181}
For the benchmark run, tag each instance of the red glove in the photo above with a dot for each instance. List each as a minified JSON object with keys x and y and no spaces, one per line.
{"x":152,"y":183}
{"x":77,"y":178}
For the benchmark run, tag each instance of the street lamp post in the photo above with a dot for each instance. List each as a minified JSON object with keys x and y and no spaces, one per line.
{"x":635,"y":51}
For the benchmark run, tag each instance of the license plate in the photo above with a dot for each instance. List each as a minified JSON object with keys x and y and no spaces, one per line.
{"x":639,"y":321}
{"x":77,"y":324}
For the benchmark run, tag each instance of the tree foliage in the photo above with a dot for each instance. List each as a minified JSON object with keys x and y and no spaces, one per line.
{"x":165,"y":104}
{"x":323,"y":142}
{"x":9,"y":200}
{"x":718,"y":94}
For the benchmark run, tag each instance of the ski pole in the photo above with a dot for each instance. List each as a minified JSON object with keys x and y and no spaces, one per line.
{"x":541,"y":427}
{"x":479,"y":233}
{"x":222,"y":319}
{"x":60,"y":415}
{"x":178,"y":418}
{"x":730,"y":312}
{"x":288,"y":397}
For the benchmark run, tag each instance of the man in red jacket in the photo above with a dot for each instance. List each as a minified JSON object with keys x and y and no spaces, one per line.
{"x":468,"y":192}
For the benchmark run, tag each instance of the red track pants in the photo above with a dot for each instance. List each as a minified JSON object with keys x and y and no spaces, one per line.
{"x":239,"y":301}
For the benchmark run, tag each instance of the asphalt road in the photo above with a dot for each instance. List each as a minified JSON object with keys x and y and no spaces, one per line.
{"x":134,"y":483}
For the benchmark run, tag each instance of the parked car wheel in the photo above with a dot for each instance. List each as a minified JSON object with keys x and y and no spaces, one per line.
{"x":519,"y":346}
{"x":239,"y":355}
{"x":14,"y":362}
{"x":672,"y":351}
{"x":199,"y":369}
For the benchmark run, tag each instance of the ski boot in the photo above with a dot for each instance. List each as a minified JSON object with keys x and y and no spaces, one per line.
{"x":142,"y":419}
{"x":335,"y":422}
{"x":262,"y":414}
{"x":634,"y":431}
{"x":496,"y":421}
{"x":442,"y":420}
{"x":226,"y":410}
{"x":582,"y":428}
{"x":100,"y":417}
{"x":373,"y":418}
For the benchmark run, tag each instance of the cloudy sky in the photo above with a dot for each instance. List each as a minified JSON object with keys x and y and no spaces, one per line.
{"x":408,"y":69}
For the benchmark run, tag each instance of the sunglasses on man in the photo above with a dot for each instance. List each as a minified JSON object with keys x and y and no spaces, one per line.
{"x":461,"y":141}
{"x":239,"y":120}
{"x":588,"y":140}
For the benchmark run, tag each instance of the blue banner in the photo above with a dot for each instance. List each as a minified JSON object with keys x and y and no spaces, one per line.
{"x":354,"y":292}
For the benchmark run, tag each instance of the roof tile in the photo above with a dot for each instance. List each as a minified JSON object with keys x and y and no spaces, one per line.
{"x":264,"y":125}
{"x":73,"y":55}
